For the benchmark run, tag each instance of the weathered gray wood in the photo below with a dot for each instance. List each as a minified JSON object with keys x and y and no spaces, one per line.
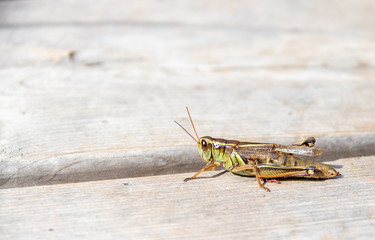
{"x":90,"y":89}
{"x":224,"y":207}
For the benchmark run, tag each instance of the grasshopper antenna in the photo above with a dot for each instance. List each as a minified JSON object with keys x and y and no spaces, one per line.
{"x":192,"y":124}
{"x":186,"y":131}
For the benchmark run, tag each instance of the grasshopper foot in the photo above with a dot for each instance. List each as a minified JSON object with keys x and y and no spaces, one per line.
{"x":267,"y":189}
{"x":188,"y":179}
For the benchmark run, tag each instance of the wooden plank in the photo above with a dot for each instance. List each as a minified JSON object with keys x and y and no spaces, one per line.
{"x":78,"y":133}
{"x":223,"y":207}
{"x":90,"y":90}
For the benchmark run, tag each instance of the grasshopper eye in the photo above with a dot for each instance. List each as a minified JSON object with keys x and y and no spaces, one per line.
{"x":204,"y":143}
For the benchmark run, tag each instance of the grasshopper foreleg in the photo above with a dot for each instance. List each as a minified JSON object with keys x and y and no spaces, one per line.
{"x":206,"y":168}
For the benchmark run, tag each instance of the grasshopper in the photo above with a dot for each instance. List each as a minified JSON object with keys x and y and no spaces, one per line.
{"x":266,"y":161}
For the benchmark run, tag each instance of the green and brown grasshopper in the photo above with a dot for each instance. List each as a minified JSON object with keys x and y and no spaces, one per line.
{"x":265,"y":161}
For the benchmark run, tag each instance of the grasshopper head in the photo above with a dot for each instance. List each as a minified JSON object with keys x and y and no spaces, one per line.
{"x":205,"y":148}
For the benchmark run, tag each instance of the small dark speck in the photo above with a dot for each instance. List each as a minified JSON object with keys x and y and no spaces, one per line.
{"x":50,"y":230}
{"x":90,"y":64}
{"x":126,"y":184}
{"x":71,"y":54}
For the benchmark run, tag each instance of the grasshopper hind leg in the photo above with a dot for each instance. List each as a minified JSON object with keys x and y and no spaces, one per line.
{"x":257,"y":174}
{"x":308,"y":142}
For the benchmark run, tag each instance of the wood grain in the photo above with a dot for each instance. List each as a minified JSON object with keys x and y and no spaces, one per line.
{"x":221,"y":207}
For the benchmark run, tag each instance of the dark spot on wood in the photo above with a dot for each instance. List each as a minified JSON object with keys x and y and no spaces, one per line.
{"x":71,"y":55}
